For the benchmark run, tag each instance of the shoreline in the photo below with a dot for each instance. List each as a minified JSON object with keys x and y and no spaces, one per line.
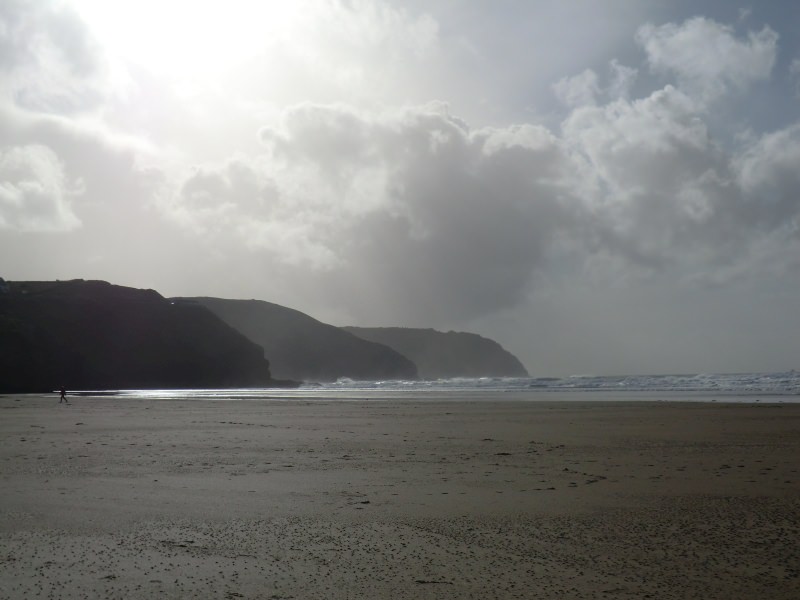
{"x":407,"y":498}
{"x":312,"y":394}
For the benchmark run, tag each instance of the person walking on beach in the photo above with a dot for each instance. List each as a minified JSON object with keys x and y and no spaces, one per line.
{"x":63,"y":395}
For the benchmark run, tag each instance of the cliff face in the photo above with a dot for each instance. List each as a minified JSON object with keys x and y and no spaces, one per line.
{"x":441,"y":355}
{"x":94,"y":335}
{"x":300,"y":347}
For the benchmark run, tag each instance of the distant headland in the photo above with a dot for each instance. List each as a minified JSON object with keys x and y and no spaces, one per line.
{"x":92,"y":335}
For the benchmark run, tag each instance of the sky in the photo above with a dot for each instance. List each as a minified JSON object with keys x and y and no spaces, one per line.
{"x":602,"y":187}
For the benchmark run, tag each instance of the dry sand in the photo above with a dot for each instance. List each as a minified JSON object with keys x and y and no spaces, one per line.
{"x":398,"y":499}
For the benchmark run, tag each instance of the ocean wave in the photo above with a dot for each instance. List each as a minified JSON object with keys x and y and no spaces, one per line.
{"x":784,"y":383}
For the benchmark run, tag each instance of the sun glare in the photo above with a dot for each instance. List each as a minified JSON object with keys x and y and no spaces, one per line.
{"x":188,"y":38}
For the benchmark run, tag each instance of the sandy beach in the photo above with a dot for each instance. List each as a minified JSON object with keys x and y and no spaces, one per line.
{"x":398,"y":499}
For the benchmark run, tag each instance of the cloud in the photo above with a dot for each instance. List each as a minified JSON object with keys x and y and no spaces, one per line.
{"x":579,"y":90}
{"x":404,"y":215}
{"x":423,"y":215}
{"x":34,"y":192}
{"x":767,"y":172}
{"x":658,"y":177}
{"x":664,"y":192}
{"x":48,"y":60}
{"x":622,"y":80}
{"x":433,"y":221}
{"x":706,"y":56}
{"x":584,"y":89}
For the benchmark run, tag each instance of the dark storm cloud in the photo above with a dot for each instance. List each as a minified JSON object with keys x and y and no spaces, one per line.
{"x":430,"y":216}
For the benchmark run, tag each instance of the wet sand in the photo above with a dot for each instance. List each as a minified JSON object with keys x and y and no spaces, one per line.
{"x":398,"y":499}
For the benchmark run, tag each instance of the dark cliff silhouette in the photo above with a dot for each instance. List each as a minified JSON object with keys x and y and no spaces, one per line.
{"x":441,"y":355}
{"x":94,"y":335}
{"x":300,"y":347}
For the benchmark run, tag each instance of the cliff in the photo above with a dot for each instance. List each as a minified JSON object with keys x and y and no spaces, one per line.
{"x":441,"y":355}
{"x":300,"y":347}
{"x":94,"y":335}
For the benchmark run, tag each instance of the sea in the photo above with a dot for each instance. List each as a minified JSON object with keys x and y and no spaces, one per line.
{"x":782,"y":387}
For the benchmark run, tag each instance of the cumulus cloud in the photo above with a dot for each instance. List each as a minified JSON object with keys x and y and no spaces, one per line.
{"x":767,"y":172}
{"x":665,"y":192}
{"x":430,"y":216}
{"x":707,"y":57}
{"x":34,"y":192}
{"x":437,"y":222}
{"x":659,"y":177}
